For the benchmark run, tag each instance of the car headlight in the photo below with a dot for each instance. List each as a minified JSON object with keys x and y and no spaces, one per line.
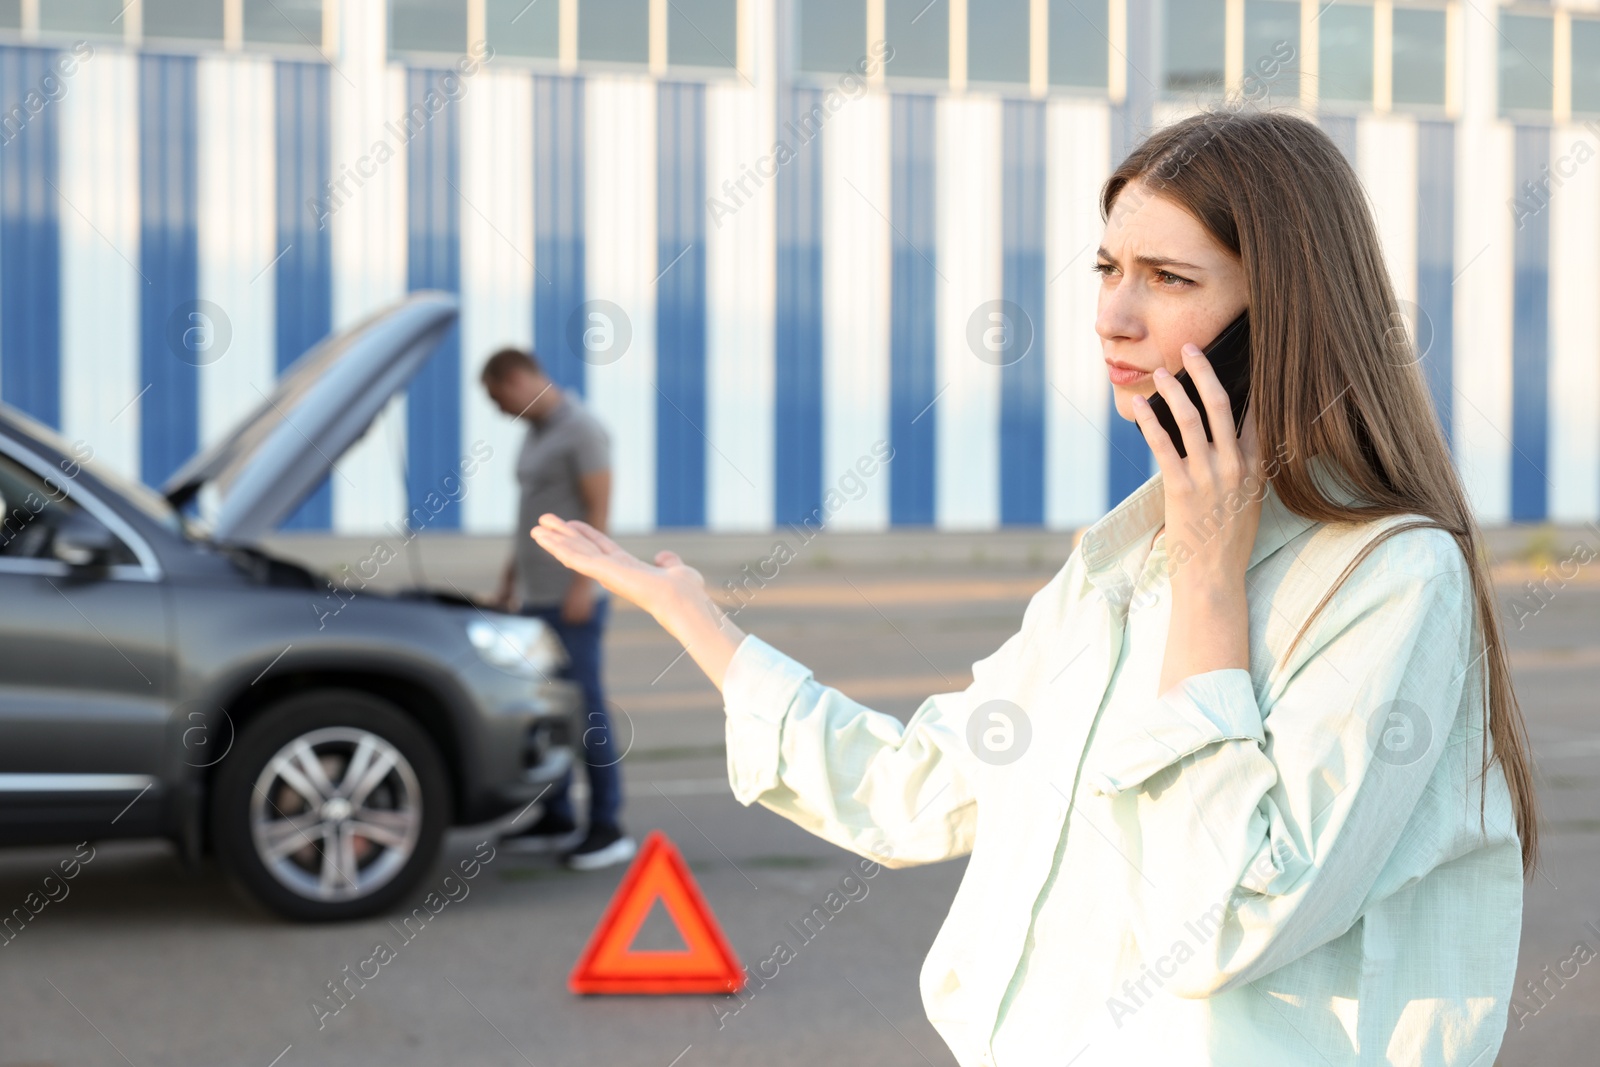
{"x":519,"y":645}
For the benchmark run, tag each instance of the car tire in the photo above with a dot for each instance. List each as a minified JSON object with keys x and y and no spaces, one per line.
{"x":332,"y":805}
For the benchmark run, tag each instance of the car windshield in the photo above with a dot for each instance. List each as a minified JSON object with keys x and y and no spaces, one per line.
{"x":151,"y":503}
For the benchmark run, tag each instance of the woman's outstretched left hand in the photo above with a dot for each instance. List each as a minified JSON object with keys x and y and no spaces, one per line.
{"x":658,"y":589}
{"x":670,"y":590}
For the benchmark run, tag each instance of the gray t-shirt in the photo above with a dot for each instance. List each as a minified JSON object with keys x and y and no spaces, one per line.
{"x":570,"y":443}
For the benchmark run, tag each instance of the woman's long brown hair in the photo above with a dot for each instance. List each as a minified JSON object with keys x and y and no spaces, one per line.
{"x":1333,"y":369}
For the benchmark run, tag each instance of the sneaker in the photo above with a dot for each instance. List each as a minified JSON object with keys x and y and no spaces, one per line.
{"x":604,"y":845}
{"x":548,"y":833}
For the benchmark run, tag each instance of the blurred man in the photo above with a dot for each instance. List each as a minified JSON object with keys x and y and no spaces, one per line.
{"x":565,"y":468}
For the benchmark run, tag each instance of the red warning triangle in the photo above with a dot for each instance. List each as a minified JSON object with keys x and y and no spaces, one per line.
{"x":609,"y":965}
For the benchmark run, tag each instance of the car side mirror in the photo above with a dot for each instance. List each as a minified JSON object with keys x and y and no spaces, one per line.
{"x":81,"y":540}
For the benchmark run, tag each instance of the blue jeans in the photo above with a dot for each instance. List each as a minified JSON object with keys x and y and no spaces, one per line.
{"x":599,"y":755}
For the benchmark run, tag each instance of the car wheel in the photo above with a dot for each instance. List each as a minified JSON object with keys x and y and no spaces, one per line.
{"x":331,"y":806}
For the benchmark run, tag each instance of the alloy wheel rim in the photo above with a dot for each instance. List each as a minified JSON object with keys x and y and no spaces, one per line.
{"x":336,"y":813}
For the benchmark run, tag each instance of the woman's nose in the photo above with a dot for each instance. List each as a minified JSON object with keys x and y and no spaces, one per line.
{"x":1117,"y":315}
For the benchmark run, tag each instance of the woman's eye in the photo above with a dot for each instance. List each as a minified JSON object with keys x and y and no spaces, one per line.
{"x":1105,"y":270}
{"x":1166,"y":277}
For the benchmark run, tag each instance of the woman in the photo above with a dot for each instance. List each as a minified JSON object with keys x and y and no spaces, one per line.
{"x":1217,"y":790}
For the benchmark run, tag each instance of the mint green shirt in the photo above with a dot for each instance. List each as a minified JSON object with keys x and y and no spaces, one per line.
{"x":1280,"y":865}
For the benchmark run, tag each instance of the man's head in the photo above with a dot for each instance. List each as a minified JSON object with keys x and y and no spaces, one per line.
{"x":517,"y":383}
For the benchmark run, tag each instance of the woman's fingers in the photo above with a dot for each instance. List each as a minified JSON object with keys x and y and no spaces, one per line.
{"x":582,"y":548}
{"x":1184,"y":413}
{"x":551,"y":521}
{"x":572,"y":541}
{"x":1155,"y":436}
{"x":568,"y":547}
{"x":617,"y":570}
{"x":575,"y":529}
{"x":1219,"y":407}
{"x":605,"y":543}
{"x":669,"y":590}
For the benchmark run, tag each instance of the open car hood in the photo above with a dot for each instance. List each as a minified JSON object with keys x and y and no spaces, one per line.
{"x":323,"y":404}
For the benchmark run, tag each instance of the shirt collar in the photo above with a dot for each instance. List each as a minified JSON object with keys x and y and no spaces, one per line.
{"x":1136,"y":518}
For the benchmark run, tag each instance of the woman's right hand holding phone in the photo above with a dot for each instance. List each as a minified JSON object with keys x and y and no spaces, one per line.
{"x":673,"y":592}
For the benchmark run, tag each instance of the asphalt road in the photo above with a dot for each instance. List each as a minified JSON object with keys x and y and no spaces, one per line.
{"x":146,"y":963}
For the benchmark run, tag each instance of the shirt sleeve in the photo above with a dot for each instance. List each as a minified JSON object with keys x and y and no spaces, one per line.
{"x":1260,"y":837}
{"x":902,"y":794}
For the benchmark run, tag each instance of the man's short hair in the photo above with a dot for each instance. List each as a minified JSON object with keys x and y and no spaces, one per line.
{"x":507,"y":360}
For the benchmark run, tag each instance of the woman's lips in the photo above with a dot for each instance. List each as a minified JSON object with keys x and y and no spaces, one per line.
{"x":1121,"y":374}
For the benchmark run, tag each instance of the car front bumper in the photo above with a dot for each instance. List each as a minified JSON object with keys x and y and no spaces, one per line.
{"x":527,"y":736}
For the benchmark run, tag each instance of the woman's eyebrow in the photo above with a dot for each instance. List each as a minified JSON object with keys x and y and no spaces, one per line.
{"x":1154,"y":262}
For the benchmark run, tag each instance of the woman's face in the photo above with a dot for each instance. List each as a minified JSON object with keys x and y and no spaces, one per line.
{"x":1165,"y":282}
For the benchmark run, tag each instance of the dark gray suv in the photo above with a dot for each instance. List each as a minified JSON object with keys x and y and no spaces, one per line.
{"x":160,"y":678}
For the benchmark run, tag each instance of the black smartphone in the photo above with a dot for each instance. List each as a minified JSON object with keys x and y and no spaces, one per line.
{"x":1229,"y":353}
